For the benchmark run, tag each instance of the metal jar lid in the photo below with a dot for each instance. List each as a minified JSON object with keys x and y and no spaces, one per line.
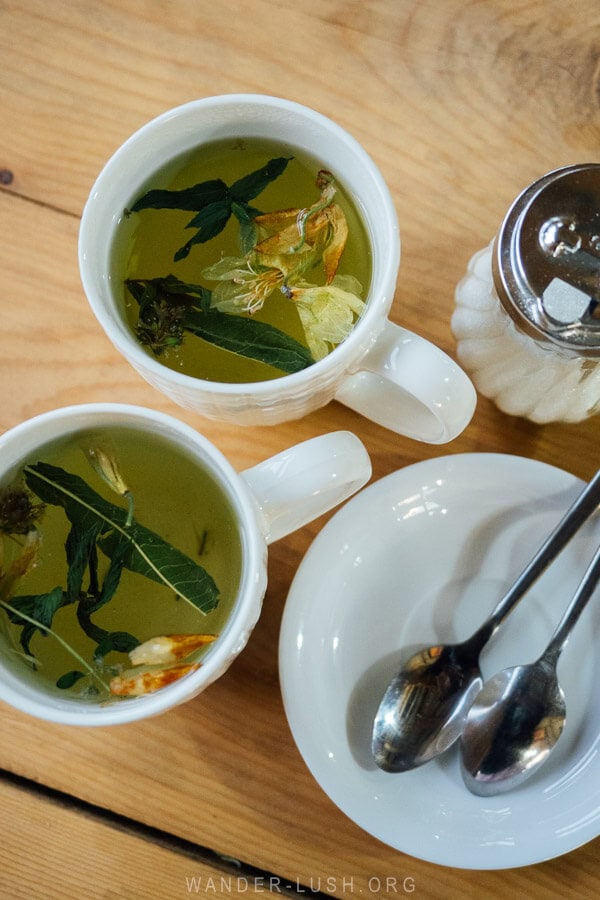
{"x":546,"y":261}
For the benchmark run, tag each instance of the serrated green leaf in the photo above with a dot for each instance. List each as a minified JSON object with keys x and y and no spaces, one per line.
{"x":243,"y":211}
{"x":250,"y":338}
{"x":83,"y":506}
{"x":101,"y":596}
{"x":112,"y":577}
{"x":150,"y":556}
{"x":138,"y":548}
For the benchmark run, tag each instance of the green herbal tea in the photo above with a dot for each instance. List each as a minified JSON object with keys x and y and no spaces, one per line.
{"x":241,"y":261}
{"x":101,"y":553}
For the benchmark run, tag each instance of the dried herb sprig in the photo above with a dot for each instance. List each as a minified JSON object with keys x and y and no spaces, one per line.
{"x":18,"y":511}
{"x":169,"y":308}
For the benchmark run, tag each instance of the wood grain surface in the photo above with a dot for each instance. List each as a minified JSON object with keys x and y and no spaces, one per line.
{"x":461,"y":103}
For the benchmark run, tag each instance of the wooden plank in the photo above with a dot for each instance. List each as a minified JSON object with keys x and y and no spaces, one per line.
{"x":274,"y":817}
{"x":56,"y":851}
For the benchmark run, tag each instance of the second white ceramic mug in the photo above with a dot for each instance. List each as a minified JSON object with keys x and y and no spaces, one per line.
{"x":269,"y":500}
{"x":388,"y":374}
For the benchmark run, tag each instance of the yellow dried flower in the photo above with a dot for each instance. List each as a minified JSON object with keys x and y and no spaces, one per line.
{"x":244,"y":284}
{"x":105,"y":464}
{"x":327,"y":312}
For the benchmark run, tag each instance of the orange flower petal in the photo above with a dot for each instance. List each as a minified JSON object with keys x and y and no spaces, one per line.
{"x":149,"y":682}
{"x":333,"y":252}
{"x":275,"y":221}
{"x":281,"y":242}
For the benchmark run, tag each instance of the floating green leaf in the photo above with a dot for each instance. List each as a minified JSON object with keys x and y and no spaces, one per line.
{"x":136,"y":547}
{"x":67,"y":680}
{"x":80,"y":546}
{"x":37,"y":607}
{"x":245,"y":214}
{"x":120,"y":641}
{"x":210,"y":222}
{"x":213,"y":202}
{"x":251,"y":338}
{"x":148,"y":554}
{"x":111,"y":579}
{"x":146,"y":291}
{"x":250,"y":186}
{"x":193,"y":198}
{"x":169,"y":307}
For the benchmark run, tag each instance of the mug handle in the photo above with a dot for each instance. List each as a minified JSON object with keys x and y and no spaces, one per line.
{"x":410,"y":386}
{"x":299,"y":484}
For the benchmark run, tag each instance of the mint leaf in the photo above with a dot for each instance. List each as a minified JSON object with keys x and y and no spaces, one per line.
{"x":250,"y":186}
{"x":147,"y":292}
{"x":193,"y":198}
{"x":84,"y":507}
{"x":182,"y":289}
{"x":245,"y":213}
{"x":210,"y":221}
{"x":213,"y":201}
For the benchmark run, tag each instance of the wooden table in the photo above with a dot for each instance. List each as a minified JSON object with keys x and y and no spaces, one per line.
{"x":462,"y":103}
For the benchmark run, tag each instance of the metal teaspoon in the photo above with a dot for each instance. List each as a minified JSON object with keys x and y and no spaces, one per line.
{"x":519,"y":714}
{"x":423,"y":709}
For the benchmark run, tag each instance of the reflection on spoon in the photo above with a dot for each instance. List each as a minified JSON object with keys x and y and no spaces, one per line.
{"x":423,"y":709}
{"x":519,"y":714}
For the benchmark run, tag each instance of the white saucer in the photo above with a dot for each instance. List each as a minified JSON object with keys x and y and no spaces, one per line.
{"x":422,"y":556}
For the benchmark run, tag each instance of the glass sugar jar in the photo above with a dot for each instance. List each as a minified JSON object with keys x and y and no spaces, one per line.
{"x":527,"y":315}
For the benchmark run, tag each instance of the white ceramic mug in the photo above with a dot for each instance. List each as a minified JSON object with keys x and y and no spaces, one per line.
{"x":381,"y":370}
{"x":269,"y":501}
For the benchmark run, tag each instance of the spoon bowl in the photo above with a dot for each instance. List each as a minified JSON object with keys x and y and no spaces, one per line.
{"x":425,"y":705}
{"x":512,"y":727}
{"x":519,"y":714}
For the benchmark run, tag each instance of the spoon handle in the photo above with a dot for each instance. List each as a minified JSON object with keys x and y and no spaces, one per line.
{"x":582,"y":595}
{"x":578,"y":513}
